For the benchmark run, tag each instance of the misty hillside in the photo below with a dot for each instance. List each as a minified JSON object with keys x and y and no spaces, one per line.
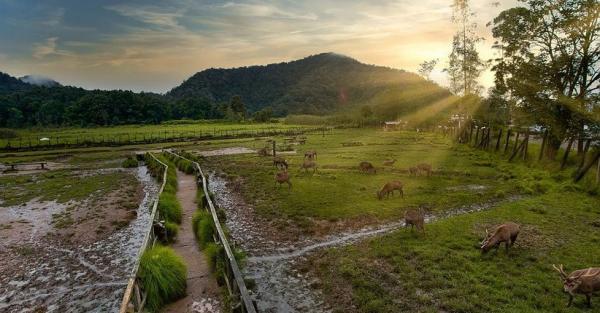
{"x":10,"y":84}
{"x":320,"y":83}
{"x":40,"y":81}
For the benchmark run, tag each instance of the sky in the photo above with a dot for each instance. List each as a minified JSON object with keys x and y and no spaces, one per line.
{"x":155,"y":45}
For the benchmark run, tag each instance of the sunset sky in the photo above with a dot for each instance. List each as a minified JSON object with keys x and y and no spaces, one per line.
{"x":155,"y":45}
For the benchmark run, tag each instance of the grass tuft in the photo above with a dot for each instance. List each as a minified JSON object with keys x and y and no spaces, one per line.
{"x":163,"y":276}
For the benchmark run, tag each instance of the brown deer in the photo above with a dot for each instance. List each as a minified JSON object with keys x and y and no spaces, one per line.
{"x":506,"y":233}
{"x":283,"y":177}
{"x":367,"y":167}
{"x":389,"y":162}
{"x":311,"y":155}
{"x":413,"y":171}
{"x":424,"y":167}
{"x":415,"y":218}
{"x":308,"y":164}
{"x":390,"y":187}
{"x":585,"y":281}
{"x":262,"y":152}
{"x":280,"y":163}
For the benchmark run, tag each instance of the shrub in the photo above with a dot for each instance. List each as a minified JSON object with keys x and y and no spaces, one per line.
{"x":129,"y":163}
{"x":172,"y":230}
{"x":203,"y":228}
{"x":163,"y":276}
{"x":169,"y":207}
{"x":6,"y":133}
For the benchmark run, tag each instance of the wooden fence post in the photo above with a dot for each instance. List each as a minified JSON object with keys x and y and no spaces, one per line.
{"x":498,"y":140}
{"x":508,"y":133}
{"x":516,"y":142}
{"x":477,"y":135}
{"x":584,"y":153}
{"x":526,"y":147}
{"x":563,"y":163}
{"x":274,"y":153}
{"x":544,"y":142}
{"x":584,"y":170}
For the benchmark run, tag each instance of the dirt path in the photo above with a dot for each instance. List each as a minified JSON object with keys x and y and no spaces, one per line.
{"x":202,"y":290}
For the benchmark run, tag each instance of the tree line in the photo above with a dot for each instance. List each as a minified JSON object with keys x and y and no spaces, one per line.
{"x":70,"y":106}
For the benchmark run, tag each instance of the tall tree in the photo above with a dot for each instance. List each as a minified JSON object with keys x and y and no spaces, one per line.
{"x":464,"y":64}
{"x":427,"y":67}
{"x":551,"y":63}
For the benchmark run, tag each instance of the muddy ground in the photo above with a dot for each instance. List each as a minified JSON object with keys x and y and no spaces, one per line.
{"x":74,"y":256}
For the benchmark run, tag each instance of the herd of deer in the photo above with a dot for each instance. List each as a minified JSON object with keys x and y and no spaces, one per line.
{"x":584,"y":281}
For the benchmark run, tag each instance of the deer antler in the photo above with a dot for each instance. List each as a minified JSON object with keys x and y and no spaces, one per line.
{"x":560,"y":270}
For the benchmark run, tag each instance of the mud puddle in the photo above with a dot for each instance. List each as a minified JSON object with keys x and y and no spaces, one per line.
{"x":42,"y":273}
{"x":279,"y":286}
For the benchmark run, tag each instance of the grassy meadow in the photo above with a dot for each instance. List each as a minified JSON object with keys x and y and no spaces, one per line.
{"x":123,"y":133}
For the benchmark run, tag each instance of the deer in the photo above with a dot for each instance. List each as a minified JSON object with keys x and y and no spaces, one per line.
{"x":413,"y":171}
{"x":308,"y":164}
{"x":262,"y":152}
{"x":280,"y":163}
{"x":415,"y":218}
{"x":367,"y":167}
{"x":424,"y":167}
{"x":389,"y":162}
{"x":585,"y":281}
{"x":311,"y":155}
{"x":506,"y":233}
{"x":283,"y":177}
{"x":390,"y":187}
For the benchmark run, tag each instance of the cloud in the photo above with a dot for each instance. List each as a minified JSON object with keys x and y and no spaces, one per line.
{"x":264,"y":10}
{"x":55,"y":17}
{"x":48,"y":48}
{"x":162,"y":17}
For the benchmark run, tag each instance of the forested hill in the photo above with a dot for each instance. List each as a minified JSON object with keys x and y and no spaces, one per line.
{"x":320,"y":83}
{"x":11,"y":84}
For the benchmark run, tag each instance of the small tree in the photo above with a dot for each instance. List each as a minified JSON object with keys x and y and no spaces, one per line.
{"x":427,"y":67}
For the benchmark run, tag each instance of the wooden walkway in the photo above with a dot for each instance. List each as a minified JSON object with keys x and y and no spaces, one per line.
{"x":202,"y":290}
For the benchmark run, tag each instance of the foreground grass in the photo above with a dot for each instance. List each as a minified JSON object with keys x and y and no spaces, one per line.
{"x":445,"y":272}
{"x":163,"y":276}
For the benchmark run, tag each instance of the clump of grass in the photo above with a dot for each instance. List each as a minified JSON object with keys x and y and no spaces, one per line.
{"x":172,"y":229}
{"x":129,"y":163}
{"x":169,"y":207}
{"x":203,"y":228}
{"x":163,"y":276}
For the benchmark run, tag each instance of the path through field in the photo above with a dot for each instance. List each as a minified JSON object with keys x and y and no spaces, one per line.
{"x":202,"y":290}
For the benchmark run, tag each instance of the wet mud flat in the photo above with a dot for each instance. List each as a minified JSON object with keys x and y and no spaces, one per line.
{"x":275,"y":264}
{"x":45,"y":269}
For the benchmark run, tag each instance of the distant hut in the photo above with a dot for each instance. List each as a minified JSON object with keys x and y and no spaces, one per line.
{"x":392,"y":125}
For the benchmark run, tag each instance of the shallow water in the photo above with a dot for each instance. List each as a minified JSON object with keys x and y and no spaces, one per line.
{"x":48,"y":274}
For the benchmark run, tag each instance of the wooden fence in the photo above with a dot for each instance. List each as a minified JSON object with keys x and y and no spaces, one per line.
{"x":122,"y":139}
{"x":514,"y":142}
{"x":234,"y":280}
{"x":134,"y":298}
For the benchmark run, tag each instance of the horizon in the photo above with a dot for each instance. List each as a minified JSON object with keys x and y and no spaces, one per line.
{"x":155,"y":46}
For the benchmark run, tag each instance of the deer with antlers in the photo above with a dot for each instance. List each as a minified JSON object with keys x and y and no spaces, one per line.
{"x":585,"y":281}
{"x":390,"y":187}
{"x":367,"y":167}
{"x":506,"y":233}
{"x":311,"y":155}
{"x":280,"y":163}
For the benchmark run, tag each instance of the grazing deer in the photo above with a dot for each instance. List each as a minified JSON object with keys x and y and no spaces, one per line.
{"x":424,"y":167}
{"x":389,"y":162}
{"x":415,"y":218}
{"x":506,"y":233}
{"x":390,"y":187}
{"x":308,"y":164}
{"x":586,"y":282}
{"x":311,"y":155}
{"x":283,"y":177}
{"x":367,"y":167}
{"x":263,"y":152}
{"x":413,"y":171}
{"x":280,"y":163}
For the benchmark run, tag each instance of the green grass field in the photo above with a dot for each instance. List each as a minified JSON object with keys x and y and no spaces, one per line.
{"x":124,"y":133}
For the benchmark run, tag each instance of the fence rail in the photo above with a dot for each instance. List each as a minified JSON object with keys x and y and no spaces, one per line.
{"x":134,"y":298}
{"x":122,"y":139}
{"x":233,"y":276}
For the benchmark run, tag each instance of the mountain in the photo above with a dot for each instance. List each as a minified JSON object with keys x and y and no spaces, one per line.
{"x":10,"y":84}
{"x":40,"y":81}
{"x":321,"y":83}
